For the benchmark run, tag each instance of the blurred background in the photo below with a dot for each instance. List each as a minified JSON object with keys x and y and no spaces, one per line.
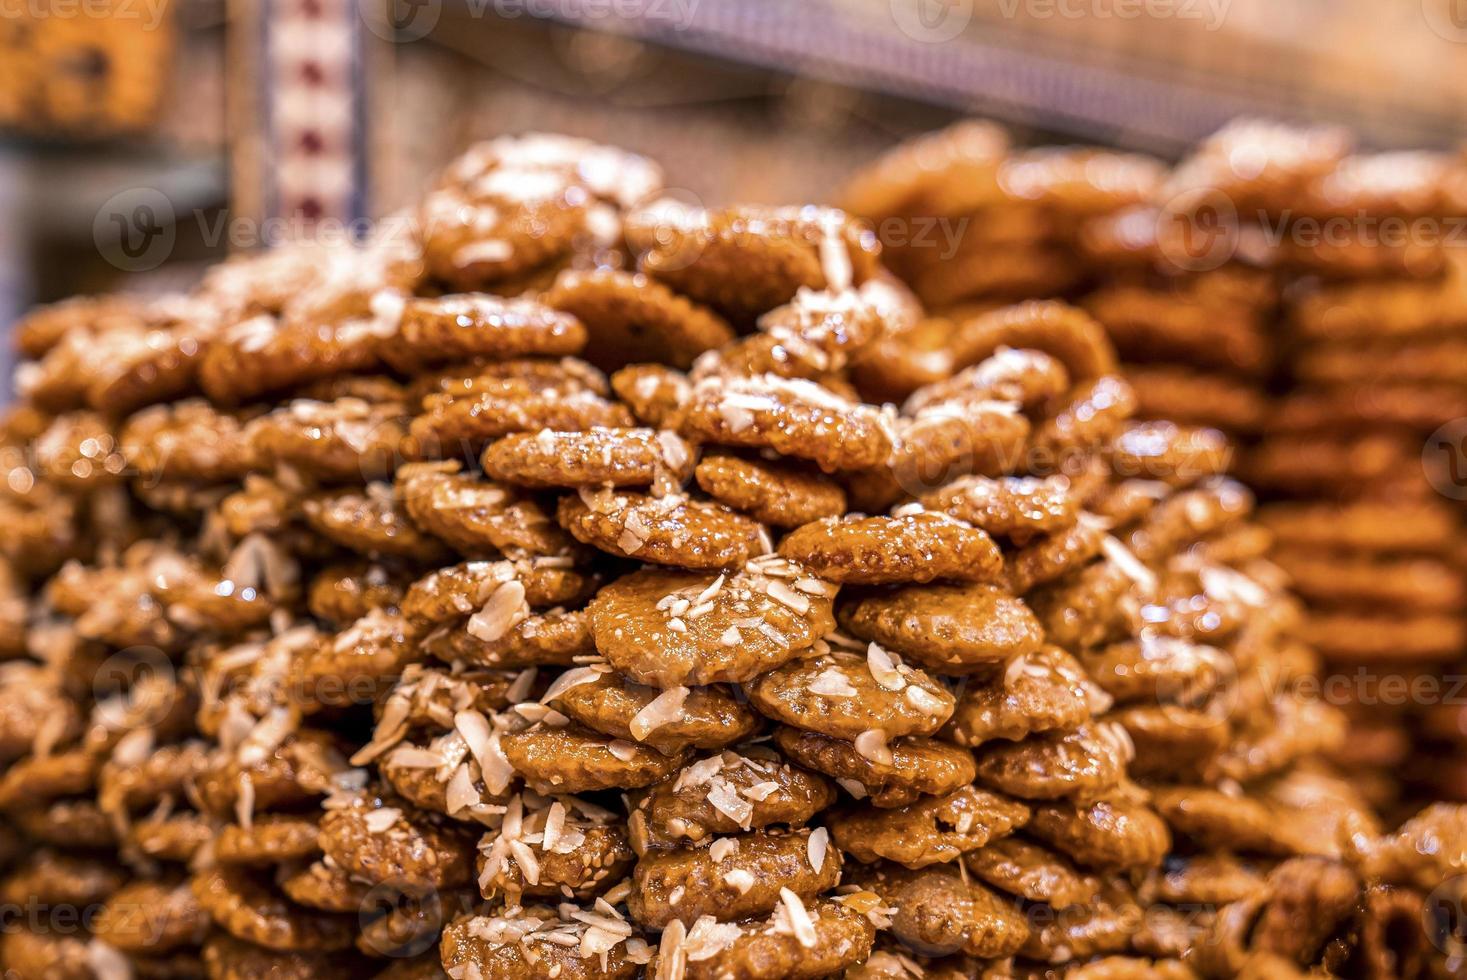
{"x":142,"y":139}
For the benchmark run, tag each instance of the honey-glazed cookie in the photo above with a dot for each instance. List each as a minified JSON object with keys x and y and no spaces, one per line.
{"x":466,"y":326}
{"x":347,"y":440}
{"x":177,"y":837}
{"x":296,"y":772}
{"x":1365,"y":525}
{"x":536,"y":943}
{"x":261,"y":355}
{"x":41,"y":778}
{"x":918,"y":767}
{"x":345,"y":592}
{"x":863,"y":699}
{"x":324,"y":885}
{"x":1061,"y":331}
{"x":979,"y":274}
{"x":1032,"y":872}
{"x":780,"y":494}
{"x":457,"y":591}
{"x":188,"y":440}
{"x":931,"y":831}
{"x":1168,"y":669}
{"x":371,"y":522}
{"x":357,"y":665}
{"x":1014,"y":507}
{"x":151,"y":917}
{"x":670,"y":721}
{"x":1332,"y":578}
{"x":1045,"y":690}
{"x":743,"y":878}
{"x":668,"y":628}
{"x":1031,"y":379}
{"x":553,"y":847}
{"x":1369,"y":637}
{"x":1110,"y":834}
{"x":1198,"y":398}
{"x":828,"y":327}
{"x":955,"y":439}
{"x":271,"y":838}
{"x":1080,"y":763}
{"x":953,"y":629}
{"x":916,"y":547}
{"x":1180,"y":327}
{"x":56,"y":878}
{"x":1172,"y":741}
{"x":380,"y":843}
{"x":76,"y":822}
{"x":1055,"y":555}
{"x":1210,"y":879}
{"x":797,"y":942}
{"x":79,"y":451}
{"x":566,"y":375}
{"x":247,"y":909}
{"x":1188,"y":515}
{"x":668,"y":530}
{"x":1178,"y":455}
{"x":46,"y":954}
{"x":939,"y":912}
{"x":655,"y":393}
{"x":572,"y":759}
{"x":1260,"y":165}
{"x":461,"y":423}
{"x":594,"y":457}
{"x":1093,"y":415}
{"x":556,"y":637}
{"x":475,"y":516}
{"x":228,"y":958}
{"x":745,"y":261}
{"x":630,"y":317}
{"x":791,"y":416}
{"x":727,"y":792}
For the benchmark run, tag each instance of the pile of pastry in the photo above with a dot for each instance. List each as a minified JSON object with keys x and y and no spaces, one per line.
{"x":1307,"y":298}
{"x":568,"y":582}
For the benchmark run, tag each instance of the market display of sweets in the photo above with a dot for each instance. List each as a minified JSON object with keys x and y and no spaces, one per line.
{"x":1374,"y":307}
{"x":560,"y":591}
{"x":1272,"y":260}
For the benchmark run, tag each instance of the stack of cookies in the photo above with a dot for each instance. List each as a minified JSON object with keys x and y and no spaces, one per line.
{"x":1186,"y":302}
{"x":1272,"y":260}
{"x":558,"y":588}
{"x":1370,"y":252}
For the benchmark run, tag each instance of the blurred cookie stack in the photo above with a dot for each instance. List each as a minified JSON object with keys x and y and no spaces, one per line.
{"x":1273,"y":259}
{"x":369,"y":627}
{"x":1374,"y":251}
{"x":970,"y":222}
